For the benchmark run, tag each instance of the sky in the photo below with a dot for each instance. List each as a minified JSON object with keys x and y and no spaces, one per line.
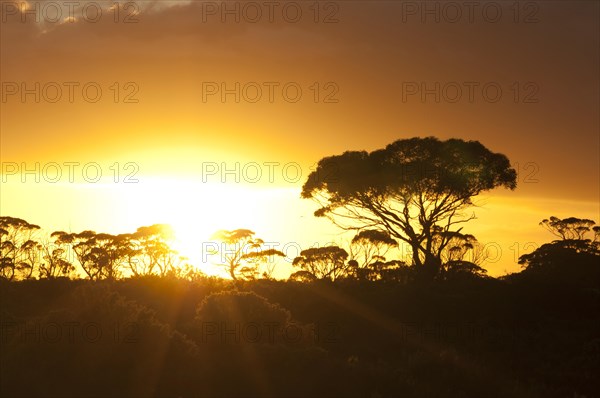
{"x":210,"y":115}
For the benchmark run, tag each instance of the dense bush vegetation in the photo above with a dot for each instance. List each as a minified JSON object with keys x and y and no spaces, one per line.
{"x":523,"y":336}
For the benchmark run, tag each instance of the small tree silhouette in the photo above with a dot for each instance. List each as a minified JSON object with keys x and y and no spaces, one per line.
{"x":55,"y":262}
{"x":572,"y":257}
{"x":18,"y":247}
{"x":327,"y":262}
{"x":369,"y":247}
{"x":242,"y":253}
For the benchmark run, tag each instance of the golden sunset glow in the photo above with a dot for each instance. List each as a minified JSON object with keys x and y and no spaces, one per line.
{"x":179,"y":128}
{"x":313,"y":198}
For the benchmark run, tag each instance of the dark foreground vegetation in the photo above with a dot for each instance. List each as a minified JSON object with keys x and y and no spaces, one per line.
{"x":532,"y":334}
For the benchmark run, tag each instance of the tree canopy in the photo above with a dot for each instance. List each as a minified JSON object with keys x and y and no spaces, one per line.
{"x":17,"y":247}
{"x":327,"y":262}
{"x":575,"y":248}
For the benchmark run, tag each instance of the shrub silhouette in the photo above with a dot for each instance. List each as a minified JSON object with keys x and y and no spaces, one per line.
{"x":95,"y":343}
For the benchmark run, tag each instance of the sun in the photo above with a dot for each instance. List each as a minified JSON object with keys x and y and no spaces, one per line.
{"x":195,"y":210}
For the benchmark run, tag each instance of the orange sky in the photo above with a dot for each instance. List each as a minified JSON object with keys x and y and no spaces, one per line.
{"x":370,"y":55}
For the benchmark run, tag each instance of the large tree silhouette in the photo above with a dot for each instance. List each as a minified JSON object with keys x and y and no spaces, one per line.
{"x":415,"y":189}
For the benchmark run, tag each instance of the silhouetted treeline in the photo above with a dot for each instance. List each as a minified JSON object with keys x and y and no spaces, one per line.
{"x":529,"y":334}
